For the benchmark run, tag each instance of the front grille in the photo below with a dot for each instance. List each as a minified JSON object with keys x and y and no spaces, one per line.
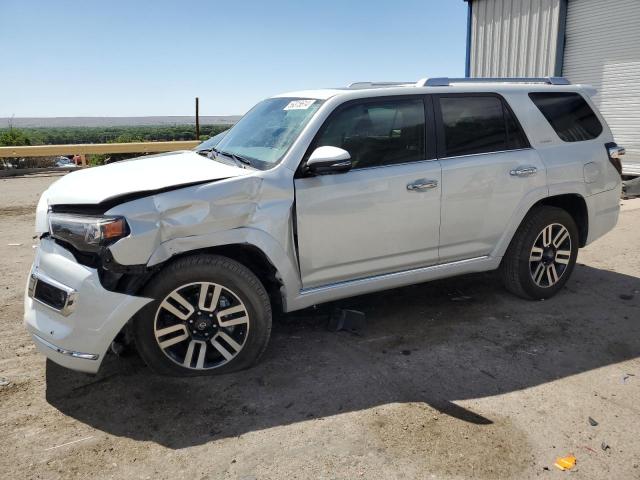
{"x":50,"y":295}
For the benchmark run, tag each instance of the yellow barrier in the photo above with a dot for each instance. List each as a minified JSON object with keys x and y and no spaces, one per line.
{"x":83,"y":149}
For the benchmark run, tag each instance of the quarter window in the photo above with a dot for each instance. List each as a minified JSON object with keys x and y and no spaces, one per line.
{"x":478,"y":124}
{"x":569,"y":115}
{"x":378,"y":133}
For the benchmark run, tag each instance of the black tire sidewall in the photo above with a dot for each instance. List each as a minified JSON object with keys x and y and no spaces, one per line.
{"x":204,"y":268}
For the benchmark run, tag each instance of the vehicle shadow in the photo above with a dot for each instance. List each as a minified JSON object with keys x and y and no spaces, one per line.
{"x":437,"y":343}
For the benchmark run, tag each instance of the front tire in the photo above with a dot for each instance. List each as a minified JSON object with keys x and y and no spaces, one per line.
{"x":542,"y":254}
{"x":210,"y":315}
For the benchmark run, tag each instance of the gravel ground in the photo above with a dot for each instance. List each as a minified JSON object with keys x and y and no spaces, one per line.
{"x":451,"y":379}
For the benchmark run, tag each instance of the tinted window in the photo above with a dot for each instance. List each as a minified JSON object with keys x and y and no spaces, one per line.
{"x":478,"y":125}
{"x":380,"y":133}
{"x":569,"y":115}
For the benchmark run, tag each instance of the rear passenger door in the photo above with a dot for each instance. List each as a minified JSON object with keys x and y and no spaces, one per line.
{"x":488,"y":167}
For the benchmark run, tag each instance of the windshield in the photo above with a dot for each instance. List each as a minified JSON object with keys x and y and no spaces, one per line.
{"x":266,"y":132}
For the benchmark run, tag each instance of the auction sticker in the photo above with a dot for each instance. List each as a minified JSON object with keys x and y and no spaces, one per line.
{"x":299,"y":104}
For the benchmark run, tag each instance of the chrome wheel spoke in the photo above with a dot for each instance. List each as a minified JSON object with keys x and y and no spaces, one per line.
{"x":539,"y":273}
{"x":563,"y":256}
{"x":188,"y":357}
{"x":163,"y":332}
{"x":209,"y":305}
{"x":180,"y":300}
{"x":552,"y":274}
{"x":562,"y":235}
{"x":547,"y":234}
{"x":536,"y":254}
{"x":233,"y":321}
{"x":224,"y":350}
{"x":202,"y":352}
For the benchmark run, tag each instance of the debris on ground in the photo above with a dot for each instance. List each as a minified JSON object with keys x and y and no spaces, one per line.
{"x":626,"y":296}
{"x":4,"y":382}
{"x":344,"y":319}
{"x":565,"y":463}
{"x":605,"y":446}
{"x":592,"y":422}
{"x":14,"y":244}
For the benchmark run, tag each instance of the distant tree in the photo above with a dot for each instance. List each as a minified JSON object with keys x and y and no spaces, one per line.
{"x":14,"y":138}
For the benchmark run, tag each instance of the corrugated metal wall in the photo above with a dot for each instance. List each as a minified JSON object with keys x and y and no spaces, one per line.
{"x":514,"y":38}
{"x":603,"y":49}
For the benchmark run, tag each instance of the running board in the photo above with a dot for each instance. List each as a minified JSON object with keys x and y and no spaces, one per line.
{"x":349,"y":288}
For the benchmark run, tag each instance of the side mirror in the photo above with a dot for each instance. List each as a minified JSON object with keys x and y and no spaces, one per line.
{"x":329,"y":160}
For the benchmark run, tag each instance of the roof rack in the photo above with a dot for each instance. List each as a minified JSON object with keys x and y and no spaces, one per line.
{"x":361,"y":85}
{"x":445,"y":81}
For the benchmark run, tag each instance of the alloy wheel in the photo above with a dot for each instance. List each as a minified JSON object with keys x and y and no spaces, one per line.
{"x":550,"y":255}
{"x":201,"y":325}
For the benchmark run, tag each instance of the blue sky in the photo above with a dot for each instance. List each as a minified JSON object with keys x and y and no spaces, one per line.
{"x":135,"y":58}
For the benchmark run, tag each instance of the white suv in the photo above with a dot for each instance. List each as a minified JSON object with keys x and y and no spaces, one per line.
{"x":314,"y":196}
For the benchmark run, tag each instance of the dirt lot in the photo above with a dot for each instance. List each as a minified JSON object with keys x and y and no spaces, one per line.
{"x":453,"y":379}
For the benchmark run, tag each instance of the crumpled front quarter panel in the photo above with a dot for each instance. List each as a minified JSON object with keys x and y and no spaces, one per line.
{"x":253,"y":209}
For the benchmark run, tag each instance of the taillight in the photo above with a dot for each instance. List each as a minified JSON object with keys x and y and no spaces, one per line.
{"x":614,"y":152}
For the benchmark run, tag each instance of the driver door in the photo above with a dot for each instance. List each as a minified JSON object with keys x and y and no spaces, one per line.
{"x":383,"y":215}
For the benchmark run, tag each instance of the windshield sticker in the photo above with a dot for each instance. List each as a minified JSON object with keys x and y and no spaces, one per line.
{"x":299,"y":104}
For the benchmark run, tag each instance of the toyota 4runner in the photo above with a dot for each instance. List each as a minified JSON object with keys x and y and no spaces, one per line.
{"x":315,"y":196}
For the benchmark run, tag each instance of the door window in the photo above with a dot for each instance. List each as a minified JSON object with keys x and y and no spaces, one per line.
{"x":384,"y":132}
{"x":478,"y":124}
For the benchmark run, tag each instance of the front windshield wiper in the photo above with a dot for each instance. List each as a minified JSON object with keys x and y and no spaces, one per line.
{"x":206,"y":151}
{"x":238,"y":158}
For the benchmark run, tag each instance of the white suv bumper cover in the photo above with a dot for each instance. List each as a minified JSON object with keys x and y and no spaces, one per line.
{"x":78,"y":337}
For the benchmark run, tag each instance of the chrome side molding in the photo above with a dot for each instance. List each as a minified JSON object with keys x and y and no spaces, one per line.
{"x":64,"y":351}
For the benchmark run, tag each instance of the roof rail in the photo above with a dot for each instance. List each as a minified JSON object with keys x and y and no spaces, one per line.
{"x":445,"y":81}
{"x":360,"y":85}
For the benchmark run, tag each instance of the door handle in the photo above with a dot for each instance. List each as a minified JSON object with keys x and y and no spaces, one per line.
{"x":422,"y":184}
{"x":523,"y":172}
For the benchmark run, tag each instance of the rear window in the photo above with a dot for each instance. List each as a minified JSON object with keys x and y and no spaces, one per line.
{"x":569,"y":115}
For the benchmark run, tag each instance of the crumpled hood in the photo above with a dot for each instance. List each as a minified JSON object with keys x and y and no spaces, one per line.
{"x":154,"y":172}
{"x":143,"y":174}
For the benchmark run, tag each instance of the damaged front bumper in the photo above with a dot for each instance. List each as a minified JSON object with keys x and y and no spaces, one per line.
{"x":71,"y":317}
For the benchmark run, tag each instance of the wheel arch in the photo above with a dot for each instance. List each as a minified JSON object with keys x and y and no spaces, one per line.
{"x":246,"y":254}
{"x":576,"y":206}
{"x":574,"y":203}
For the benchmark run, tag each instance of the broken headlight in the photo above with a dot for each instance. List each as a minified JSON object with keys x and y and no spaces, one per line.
{"x":85,"y":233}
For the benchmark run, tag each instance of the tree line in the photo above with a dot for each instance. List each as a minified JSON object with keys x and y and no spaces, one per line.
{"x":124,"y":134}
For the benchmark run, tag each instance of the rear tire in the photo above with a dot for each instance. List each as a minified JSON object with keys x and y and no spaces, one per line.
{"x":209,"y":315}
{"x":542,"y":254}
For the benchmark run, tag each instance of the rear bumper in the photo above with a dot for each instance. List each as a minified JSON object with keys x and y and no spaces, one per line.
{"x":604,"y":209}
{"x":80,"y":338}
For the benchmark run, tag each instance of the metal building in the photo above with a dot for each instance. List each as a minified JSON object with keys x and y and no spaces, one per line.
{"x":594,"y":42}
